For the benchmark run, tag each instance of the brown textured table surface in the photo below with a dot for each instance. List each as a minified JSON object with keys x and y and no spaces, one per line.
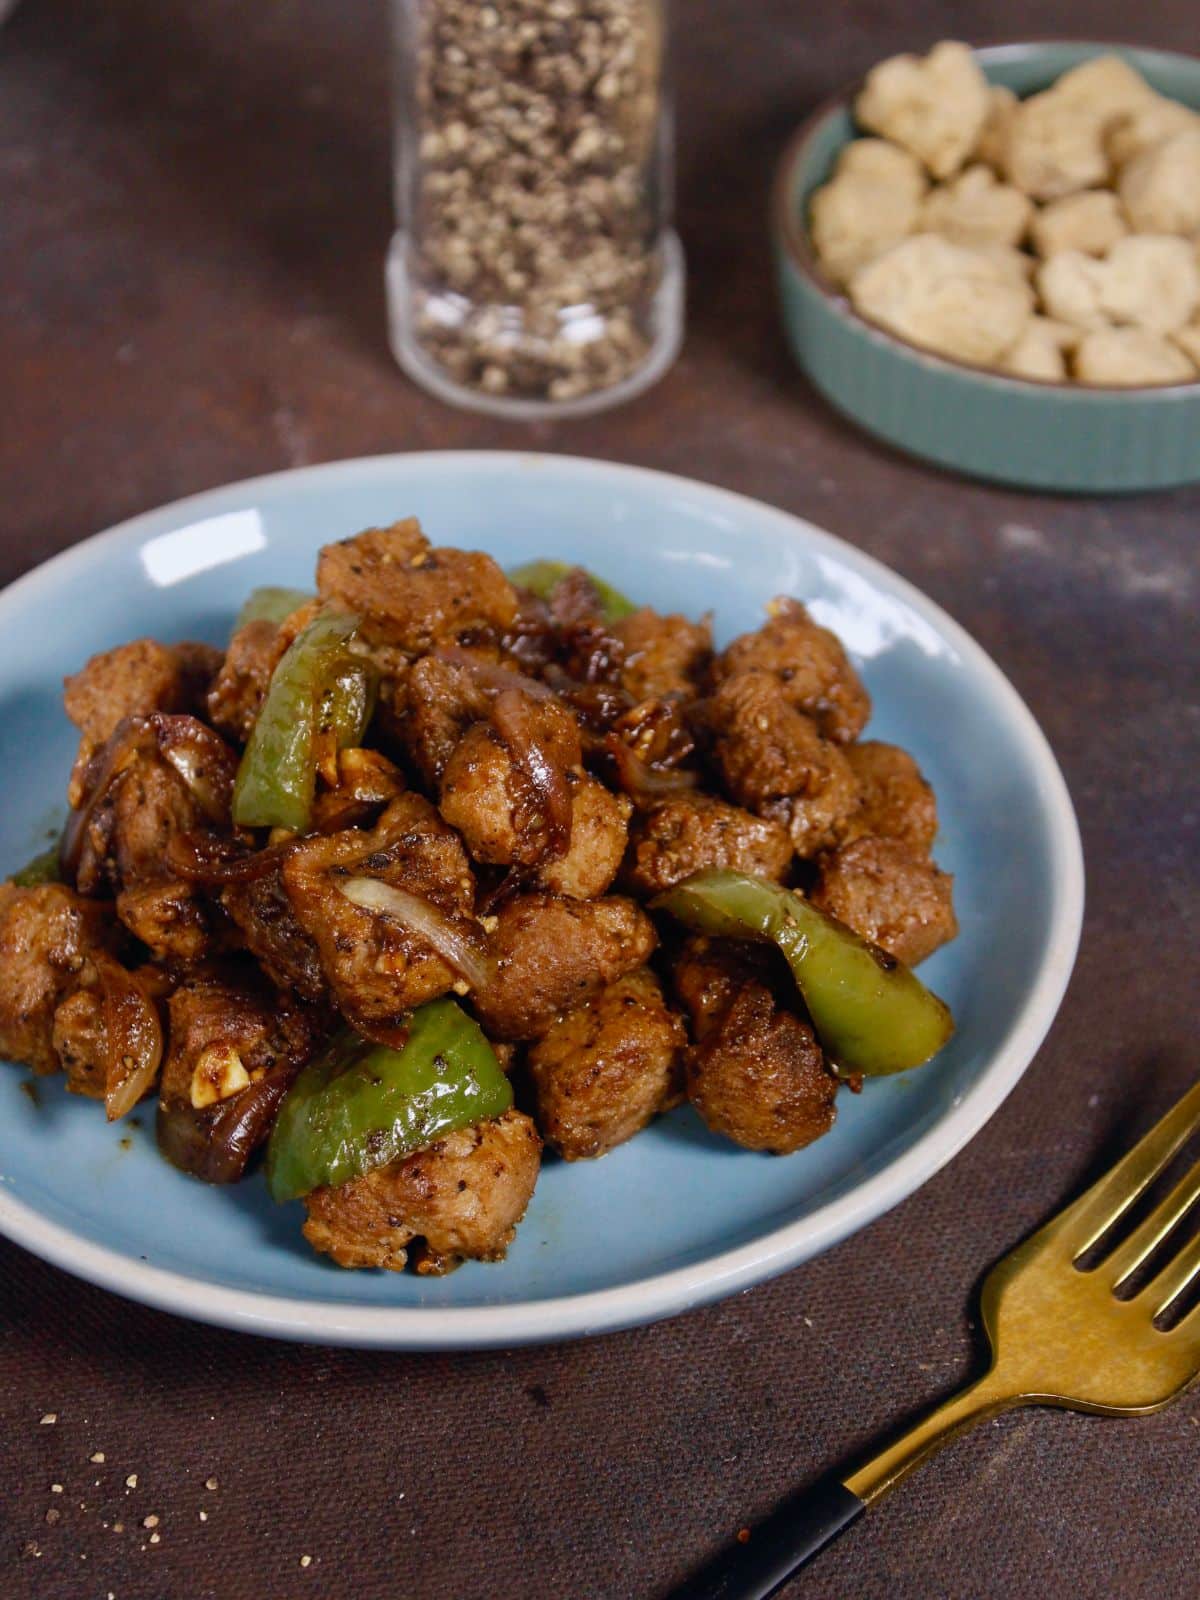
{"x":193,"y":210}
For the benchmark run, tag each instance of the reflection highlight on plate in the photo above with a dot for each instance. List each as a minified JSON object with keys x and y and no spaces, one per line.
{"x":173,"y":557}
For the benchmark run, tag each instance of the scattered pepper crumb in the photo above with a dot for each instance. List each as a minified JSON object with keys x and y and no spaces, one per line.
{"x":154,"y":1538}
{"x":131,"y":1481}
{"x":210,"y":1483}
{"x":97,"y":1458}
{"x":743,"y":1535}
{"x":53,"y":1516}
{"x":118,"y":1527}
{"x":204,"y":1516}
{"x":32,"y":1548}
{"x":306,"y":1561}
{"x":49,"y":1418}
{"x":56,"y":1488}
{"x":150,"y":1522}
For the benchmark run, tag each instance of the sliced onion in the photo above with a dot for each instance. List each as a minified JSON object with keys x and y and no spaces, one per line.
{"x":199,"y":858}
{"x":513,"y":721}
{"x":131,"y":736}
{"x":201,"y":758}
{"x":642,"y":781}
{"x":488,"y":675}
{"x":216,"y":1143}
{"x":448,"y":935}
{"x":133,"y":1034}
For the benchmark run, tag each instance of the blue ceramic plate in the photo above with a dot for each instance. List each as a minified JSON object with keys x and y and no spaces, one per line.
{"x":676,"y":1217}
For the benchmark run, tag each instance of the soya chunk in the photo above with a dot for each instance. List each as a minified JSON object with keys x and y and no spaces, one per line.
{"x":377,"y":968}
{"x":775,"y":762}
{"x":602,"y":1071}
{"x":411,"y":595}
{"x":812,"y":668}
{"x":237,"y":692}
{"x":434,"y":706}
{"x":551,"y":954}
{"x":900,"y":901}
{"x":665,"y":656}
{"x":463,"y":1197}
{"x":896,"y":801}
{"x":47,"y":934}
{"x":695,"y":832}
{"x":757,"y":1073}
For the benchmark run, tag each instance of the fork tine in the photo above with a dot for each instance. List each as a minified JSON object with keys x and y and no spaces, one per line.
{"x":1145,"y":1240}
{"x":1107,"y":1201}
{"x":1174,"y":1277}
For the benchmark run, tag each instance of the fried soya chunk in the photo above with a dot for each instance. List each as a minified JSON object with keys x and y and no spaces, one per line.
{"x":274,"y":937}
{"x":137,"y":803}
{"x":695,"y":832}
{"x":462,"y":1197}
{"x":234,"y":1046}
{"x":551,"y":954}
{"x":411,"y":595}
{"x":775,"y":762}
{"x":236,"y":695}
{"x":488,"y":790}
{"x":366,"y":782}
{"x":47,"y":935}
{"x":602,"y":1071}
{"x":900,"y":901}
{"x":599,"y":831}
{"x":757,"y":1073}
{"x":133,"y":679}
{"x":377,"y":968}
{"x":665,"y":656}
{"x":811,"y":666}
{"x":433,"y":707}
{"x":80,"y":1040}
{"x":896,"y":800}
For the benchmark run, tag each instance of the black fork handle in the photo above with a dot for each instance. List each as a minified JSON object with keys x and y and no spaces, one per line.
{"x":778,"y":1547}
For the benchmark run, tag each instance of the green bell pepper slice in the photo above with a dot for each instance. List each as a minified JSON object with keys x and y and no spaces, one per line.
{"x":44,"y":868}
{"x":872,"y":1014}
{"x":277,"y":776}
{"x":270,"y":604}
{"x":540,"y":577}
{"x":360,"y":1105}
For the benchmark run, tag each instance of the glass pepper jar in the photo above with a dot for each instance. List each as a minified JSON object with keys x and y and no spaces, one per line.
{"x":534,"y":271}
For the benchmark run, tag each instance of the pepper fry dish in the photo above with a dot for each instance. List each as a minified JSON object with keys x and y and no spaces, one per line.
{"x":439,"y":867}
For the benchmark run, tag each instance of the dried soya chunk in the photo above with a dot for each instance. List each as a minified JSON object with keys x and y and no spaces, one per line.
{"x":974,"y":209}
{"x":1132,"y":357}
{"x":993,"y":138}
{"x":1152,"y":123}
{"x":1160,"y":189}
{"x":938,"y":295}
{"x":1090,"y":221}
{"x":879,"y":158}
{"x":1105,"y":84}
{"x":1055,"y":147}
{"x":933,"y":106}
{"x":1188,"y":340}
{"x":1151,"y":282}
{"x":1071,"y":286}
{"x":856,"y":218}
{"x":1040,"y":352}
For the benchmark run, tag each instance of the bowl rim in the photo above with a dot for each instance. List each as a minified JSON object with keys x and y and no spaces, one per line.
{"x":792,"y":233}
{"x":658,"y":1294}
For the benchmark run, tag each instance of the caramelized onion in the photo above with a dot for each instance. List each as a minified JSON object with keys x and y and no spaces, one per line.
{"x":216,"y":1143}
{"x":199,"y":858}
{"x":642,"y":781}
{"x":511,"y":716}
{"x":488,"y":675}
{"x":201,"y":758}
{"x":131,"y":736}
{"x":448,"y":935}
{"x":133,"y":1035}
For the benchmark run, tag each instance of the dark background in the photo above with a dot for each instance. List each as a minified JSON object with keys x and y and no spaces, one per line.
{"x":193,"y":212}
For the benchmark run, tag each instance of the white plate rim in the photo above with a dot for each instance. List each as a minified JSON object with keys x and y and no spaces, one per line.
{"x":663,"y":1294}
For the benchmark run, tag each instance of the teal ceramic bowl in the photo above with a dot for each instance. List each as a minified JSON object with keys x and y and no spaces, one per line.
{"x":1012,"y":430}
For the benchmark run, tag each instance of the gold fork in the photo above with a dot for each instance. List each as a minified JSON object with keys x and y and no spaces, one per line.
{"x":1059,"y":1337}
